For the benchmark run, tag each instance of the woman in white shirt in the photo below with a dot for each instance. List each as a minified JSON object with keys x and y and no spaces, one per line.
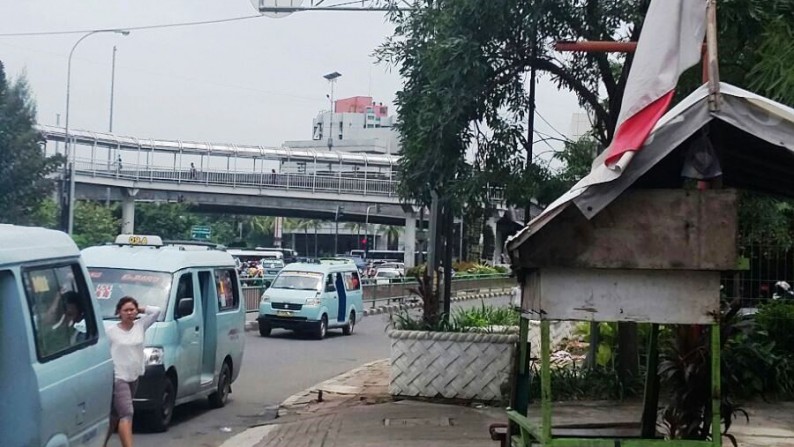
{"x":126,"y":350}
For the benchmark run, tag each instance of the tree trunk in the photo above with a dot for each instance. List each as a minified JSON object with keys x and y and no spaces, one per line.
{"x":628,"y":354}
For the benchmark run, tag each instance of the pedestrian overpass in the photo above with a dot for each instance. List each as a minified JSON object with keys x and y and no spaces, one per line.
{"x":230,"y":178}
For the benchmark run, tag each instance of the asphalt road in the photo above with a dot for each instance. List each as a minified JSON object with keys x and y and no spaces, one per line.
{"x":273,"y":369}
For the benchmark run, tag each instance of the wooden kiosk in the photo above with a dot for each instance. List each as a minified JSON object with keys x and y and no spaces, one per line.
{"x":650,"y":256}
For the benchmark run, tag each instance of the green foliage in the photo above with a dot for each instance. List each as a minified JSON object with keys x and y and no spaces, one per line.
{"x":475,"y":319}
{"x":464,"y":64}
{"x":170,"y":221}
{"x":776,"y":320}
{"x":24,"y":168}
{"x":94,"y":224}
{"x":45,"y":214}
{"x":765,"y":220}
{"x":572,"y":382}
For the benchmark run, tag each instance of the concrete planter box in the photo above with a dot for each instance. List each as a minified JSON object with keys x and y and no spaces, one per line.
{"x":451,"y":365}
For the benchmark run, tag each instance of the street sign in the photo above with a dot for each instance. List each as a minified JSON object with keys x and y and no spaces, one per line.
{"x":200,"y":232}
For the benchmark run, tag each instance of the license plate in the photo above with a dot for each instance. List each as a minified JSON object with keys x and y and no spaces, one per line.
{"x":284,"y":313}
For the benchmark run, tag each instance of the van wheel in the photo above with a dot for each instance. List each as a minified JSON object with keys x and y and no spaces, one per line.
{"x":351,"y":323}
{"x":221,"y":395}
{"x":264,"y":329}
{"x":321,"y":328}
{"x":160,"y":418}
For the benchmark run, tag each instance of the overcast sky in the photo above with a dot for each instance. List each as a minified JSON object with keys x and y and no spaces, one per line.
{"x":256,"y":81}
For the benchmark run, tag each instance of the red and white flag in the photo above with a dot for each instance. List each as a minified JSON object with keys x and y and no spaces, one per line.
{"x":670,"y":42}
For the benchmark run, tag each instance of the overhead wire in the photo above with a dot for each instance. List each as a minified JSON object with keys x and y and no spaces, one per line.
{"x":133,"y":28}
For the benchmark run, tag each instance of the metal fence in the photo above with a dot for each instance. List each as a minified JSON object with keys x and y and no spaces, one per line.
{"x":762,"y":267}
{"x":397,"y":290}
{"x":304,"y":182}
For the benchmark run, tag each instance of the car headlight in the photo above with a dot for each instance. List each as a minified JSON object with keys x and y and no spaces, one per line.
{"x":265,"y":297}
{"x":313,"y":301}
{"x":153,"y":356}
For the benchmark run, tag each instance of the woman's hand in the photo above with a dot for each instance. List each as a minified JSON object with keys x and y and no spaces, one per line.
{"x":141,"y":309}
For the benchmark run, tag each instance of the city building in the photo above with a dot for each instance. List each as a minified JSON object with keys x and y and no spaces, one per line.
{"x":357,"y":125}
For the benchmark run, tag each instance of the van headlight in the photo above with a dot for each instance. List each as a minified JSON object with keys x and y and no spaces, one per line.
{"x":265,"y":297}
{"x":153,"y":356}
{"x":315,"y":301}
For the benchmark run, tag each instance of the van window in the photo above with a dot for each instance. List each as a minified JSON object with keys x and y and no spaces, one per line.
{"x":329,"y":284}
{"x":228,"y":295}
{"x":352,"y":281}
{"x":147,"y":287}
{"x":61,"y":309}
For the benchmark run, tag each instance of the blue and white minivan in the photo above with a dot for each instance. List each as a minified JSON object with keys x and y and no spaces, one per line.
{"x":56,"y":374}
{"x":195,"y":350}
{"x":313,"y":298}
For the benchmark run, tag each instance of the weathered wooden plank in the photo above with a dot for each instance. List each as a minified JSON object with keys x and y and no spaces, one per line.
{"x":643,"y":229}
{"x":657,"y":296}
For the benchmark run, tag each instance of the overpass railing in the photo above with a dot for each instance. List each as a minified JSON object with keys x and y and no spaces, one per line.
{"x":302,"y":182}
{"x":397,"y":290}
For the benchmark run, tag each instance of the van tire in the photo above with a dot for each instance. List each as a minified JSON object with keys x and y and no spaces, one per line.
{"x":351,"y":323}
{"x":159,"y":419}
{"x":221,"y":395}
{"x":264,"y":329}
{"x":321,"y":328}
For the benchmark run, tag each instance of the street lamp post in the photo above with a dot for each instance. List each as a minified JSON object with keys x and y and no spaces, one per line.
{"x":366,"y":226}
{"x":67,"y":207}
{"x":331,"y":77}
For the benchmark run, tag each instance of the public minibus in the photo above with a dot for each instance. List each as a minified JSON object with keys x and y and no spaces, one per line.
{"x":195,"y":349}
{"x":313,"y":298}
{"x":245,"y":255}
{"x":56,"y":375}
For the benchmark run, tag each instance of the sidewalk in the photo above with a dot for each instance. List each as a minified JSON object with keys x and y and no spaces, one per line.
{"x":355,"y":410}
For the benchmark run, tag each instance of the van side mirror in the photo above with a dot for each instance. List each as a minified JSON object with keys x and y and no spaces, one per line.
{"x":184,"y":307}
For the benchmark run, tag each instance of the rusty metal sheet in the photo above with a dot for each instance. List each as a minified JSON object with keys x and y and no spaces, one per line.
{"x":643,"y":229}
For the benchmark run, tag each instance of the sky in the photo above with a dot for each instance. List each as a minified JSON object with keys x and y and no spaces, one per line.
{"x":257,"y":81}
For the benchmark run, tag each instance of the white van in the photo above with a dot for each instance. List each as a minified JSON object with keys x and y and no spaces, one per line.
{"x":195,"y":349}
{"x":56,"y":374}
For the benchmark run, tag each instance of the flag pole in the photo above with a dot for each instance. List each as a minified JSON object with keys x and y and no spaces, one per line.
{"x":712,"y":60}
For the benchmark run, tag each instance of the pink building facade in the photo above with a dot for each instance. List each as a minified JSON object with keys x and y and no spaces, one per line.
{"x":361,"y":104}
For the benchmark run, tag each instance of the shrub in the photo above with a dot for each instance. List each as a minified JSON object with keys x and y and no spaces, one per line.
{"x":577,"y":383}
{"x":776,"y":319}
{"x":462,"y":320}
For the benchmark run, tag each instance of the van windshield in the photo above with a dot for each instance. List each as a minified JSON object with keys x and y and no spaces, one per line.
{"x":148,"y":288}
{"x":298,"y":281}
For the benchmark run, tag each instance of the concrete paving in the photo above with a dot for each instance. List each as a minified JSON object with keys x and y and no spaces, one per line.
{"x":354,"y":410}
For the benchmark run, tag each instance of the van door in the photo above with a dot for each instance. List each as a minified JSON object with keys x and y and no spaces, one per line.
{"x":73,"y":369}
{"x":341,"y":314}
{"x":190,"y":328}
{"x":330,"y":297}
{"x":210,"y":297}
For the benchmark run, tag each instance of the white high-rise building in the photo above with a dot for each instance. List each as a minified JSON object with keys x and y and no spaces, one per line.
{"x":356,"y":125}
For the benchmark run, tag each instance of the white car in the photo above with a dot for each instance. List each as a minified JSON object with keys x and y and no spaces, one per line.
{"x":385,"y":275}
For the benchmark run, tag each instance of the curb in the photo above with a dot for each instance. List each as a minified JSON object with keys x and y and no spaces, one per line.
{"x":389,"y":308}
{"x":301,"y":396}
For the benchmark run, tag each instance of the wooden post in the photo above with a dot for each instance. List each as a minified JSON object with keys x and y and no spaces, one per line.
{"x":712,"y":60}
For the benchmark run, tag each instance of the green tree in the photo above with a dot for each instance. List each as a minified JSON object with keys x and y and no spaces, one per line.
{"x":24,"y":168}
{"x":94,"y":224}
{"x":168,"y":220}
{"x":392,"y":234}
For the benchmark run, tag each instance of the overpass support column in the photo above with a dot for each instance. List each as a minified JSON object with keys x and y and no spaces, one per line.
{"x":128,"y":210}
{"x":410,"y":240}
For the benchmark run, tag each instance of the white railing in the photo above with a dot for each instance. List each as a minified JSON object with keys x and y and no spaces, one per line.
{"x":303,"y":182}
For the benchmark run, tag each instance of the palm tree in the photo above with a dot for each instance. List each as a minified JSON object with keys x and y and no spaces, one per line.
{"x":391,"y":233}
{"x":355,"y":227}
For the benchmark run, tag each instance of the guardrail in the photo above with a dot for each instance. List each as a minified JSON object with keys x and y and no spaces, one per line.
{"x":397,"y":290}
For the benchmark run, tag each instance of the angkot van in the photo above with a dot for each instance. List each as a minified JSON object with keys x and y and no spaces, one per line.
{"x":56,"y":374}
{"x":195,"y":349}
{"x":313,"y":298}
